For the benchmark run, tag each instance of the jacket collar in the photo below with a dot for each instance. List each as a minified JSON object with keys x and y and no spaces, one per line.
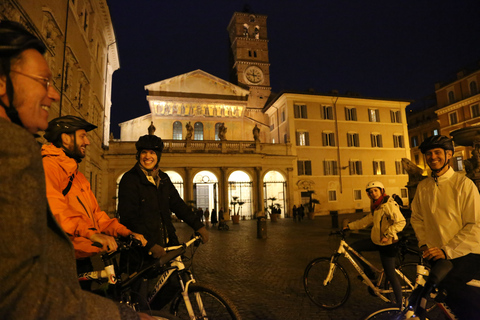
{"x":69,"y":165}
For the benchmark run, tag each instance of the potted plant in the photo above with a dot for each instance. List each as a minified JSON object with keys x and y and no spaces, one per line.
{"x":311,"y":208}
{"x":274,"y":209}
{"x":236,"y":213}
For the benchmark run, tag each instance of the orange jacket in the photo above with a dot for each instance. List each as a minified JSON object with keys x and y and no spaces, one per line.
{"x":77,"y":212}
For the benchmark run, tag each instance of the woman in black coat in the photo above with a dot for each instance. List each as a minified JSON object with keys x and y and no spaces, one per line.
{"x":147,"y":198}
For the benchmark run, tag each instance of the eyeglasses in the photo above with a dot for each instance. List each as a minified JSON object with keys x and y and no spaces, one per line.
{"x":46,"y":82}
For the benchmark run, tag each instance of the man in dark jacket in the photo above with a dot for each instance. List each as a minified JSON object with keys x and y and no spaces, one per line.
{"x":147,"y":196}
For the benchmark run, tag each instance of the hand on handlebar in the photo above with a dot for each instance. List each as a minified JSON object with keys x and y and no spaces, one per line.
{"x":108,"y":243}
{"x":157,"y":251}
{"x":204,"y":234}
{"x":434,"y":253}
{"x":140,"y":238}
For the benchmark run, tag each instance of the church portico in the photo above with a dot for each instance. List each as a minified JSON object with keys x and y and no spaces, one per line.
{"x":233,"y":174}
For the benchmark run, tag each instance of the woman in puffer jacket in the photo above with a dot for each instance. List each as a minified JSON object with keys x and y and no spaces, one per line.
{"x":387,"y":221}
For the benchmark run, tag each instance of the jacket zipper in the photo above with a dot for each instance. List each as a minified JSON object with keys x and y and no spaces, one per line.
{"x":91,"y":217}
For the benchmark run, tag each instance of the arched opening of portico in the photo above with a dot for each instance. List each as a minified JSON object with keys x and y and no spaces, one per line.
{"x":177,"y":181}
{"x":274,"y":187}
{"x":240,"y":194}
{"x":205,"y":190}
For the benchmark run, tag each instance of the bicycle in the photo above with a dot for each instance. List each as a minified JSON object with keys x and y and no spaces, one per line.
{"x":193,"y":301}
{"x":327,"y":283}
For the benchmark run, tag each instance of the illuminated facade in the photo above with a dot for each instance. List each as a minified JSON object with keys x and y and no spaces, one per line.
{"x":82,"y":56}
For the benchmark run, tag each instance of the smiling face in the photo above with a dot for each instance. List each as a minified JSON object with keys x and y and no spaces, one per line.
{"x":32,"y":97}
{"x":78,"y":144}
{"x":148,"y":159}
{"x":374,"y":193}
{"x":436,"y":158}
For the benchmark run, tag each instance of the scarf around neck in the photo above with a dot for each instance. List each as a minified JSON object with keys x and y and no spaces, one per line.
{"x":375,"y":204}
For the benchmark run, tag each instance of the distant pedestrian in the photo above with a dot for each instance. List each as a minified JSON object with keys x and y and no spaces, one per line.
{"x":300,"y":212}
{"x":200,"y":214}
{"x":220,"y":215}
{"x":294,"y":213}
{"x":213,"y":217}
{"x":206,"y":214}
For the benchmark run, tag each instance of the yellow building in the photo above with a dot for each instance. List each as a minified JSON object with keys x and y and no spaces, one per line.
{"x":82,"y":55}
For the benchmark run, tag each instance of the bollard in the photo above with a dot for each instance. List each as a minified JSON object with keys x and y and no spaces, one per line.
{"x":261,"y":227}
{"x":334,"y":215}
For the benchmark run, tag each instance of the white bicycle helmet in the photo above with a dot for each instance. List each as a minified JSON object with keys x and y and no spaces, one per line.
{"x":374,"y":184}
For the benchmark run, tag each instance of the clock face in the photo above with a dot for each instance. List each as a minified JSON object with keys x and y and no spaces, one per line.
{"x":254,"y":75}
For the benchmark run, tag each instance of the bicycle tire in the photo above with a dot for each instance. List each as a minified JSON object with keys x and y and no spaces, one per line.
{"x":216,"y":304}
{"x":162,"y":315}
{"x":335,"y":293}
{"x":386,"y":314}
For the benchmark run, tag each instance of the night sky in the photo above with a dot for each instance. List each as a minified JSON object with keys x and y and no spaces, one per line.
{"x":377,"y":48}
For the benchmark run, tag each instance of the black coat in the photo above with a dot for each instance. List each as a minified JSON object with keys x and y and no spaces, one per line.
{"x":146,"y":209}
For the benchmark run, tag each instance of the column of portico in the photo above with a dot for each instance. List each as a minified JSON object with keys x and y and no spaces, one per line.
{"x":258,"y":191}
{"x":188,"y":184}
{"x":289,"y":192}
{"x":224,"y":201}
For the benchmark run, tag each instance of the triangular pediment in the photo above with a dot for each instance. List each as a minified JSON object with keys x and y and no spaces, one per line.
{"x":196,"y":82}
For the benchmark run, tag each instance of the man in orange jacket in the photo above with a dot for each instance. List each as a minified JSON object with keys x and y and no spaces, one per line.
{"x":69,"y":194}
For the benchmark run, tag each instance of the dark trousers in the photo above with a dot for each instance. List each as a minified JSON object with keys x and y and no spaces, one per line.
{"x":463,"y":299}
{"x":388,"y":255}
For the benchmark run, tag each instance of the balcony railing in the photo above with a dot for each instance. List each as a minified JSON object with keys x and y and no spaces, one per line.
{"x":205,"y":146}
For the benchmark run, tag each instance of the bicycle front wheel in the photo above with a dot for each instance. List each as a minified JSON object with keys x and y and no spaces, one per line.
{"x":326,"y":294}
{"x":386,"y":314}
{"x":207,"y":303}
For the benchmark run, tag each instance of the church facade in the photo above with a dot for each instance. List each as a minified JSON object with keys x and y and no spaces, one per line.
{"x":233,"y":145}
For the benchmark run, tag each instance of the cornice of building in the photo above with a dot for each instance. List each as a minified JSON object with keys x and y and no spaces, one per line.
{"x":459,"y":104}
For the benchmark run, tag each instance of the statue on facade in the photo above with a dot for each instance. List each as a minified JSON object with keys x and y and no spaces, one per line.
{"x":189,"y":131}
{"x":222,"y":131}
{"x":256,"y":133}
{"x":151,"y":129}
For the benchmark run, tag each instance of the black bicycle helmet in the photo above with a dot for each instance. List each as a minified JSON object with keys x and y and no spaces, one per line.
{"x":149,"y":142}
{"x":436,"y":142}
{"x":65,"y":124}
{"x":14,"y":39}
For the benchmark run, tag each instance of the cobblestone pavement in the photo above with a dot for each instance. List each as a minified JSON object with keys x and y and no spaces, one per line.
{"x":263,"y":277}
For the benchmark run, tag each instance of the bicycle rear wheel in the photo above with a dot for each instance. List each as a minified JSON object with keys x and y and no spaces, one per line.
{"x":331,"y":295}
{"x":386,"y":314}
{"x":215,"y":304}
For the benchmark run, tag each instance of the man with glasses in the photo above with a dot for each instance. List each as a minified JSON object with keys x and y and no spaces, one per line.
{"x":38,"y":279}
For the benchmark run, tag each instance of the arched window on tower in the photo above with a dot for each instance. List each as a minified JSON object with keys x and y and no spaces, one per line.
{"x":257,"y":32}
{"x":198,"y":131}
{"x":217,"y":130}
{"x":177,"y":130}
{"x":245,"y":30}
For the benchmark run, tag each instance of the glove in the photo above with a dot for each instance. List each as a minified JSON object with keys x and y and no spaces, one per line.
{"x":204,"y":234}
{"x":157,"y":251}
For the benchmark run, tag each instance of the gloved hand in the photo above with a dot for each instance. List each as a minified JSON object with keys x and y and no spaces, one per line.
{"x":204,"y":234}
{"x":157,"y":251}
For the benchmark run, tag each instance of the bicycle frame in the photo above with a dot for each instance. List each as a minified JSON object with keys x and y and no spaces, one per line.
{"x":345,"y":250}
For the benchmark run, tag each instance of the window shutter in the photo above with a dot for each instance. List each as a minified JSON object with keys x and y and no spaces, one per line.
{"x":307,"y":139}
{"x":380,"y":142}
{"x":296,"y":111}
{"x":304,"y":111}
{"x":351,"y":167}
{"x":372,"y":139}
{"x":382,"y":166}
{"x":347,"y":114}
{"x":300,"y":167}
{"x":354,"y":114}
{"x":297,"y":134}
{"x":324,"y":138}
{"x":308,"y":167}
{"x":357,"y":140}
{"x":377,"y":115}
{"x":359,"y":167}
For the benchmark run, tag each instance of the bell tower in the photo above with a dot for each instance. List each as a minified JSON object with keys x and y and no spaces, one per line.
{"x":250,"y":64}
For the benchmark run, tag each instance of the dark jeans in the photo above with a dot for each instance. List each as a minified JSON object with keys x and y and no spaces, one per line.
{"x":463,"y":299}
{"x":387,"y":256}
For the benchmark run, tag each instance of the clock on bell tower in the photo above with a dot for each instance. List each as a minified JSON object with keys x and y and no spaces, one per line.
{"x":249,"y":56}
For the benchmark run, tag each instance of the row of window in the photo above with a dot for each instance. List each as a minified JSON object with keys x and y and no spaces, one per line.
{"x":331,"y":168}
{"x":197,"y":130}
{"x":353,"y":139}
{"x":300,"y":112}
{"x":473,"y":91}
